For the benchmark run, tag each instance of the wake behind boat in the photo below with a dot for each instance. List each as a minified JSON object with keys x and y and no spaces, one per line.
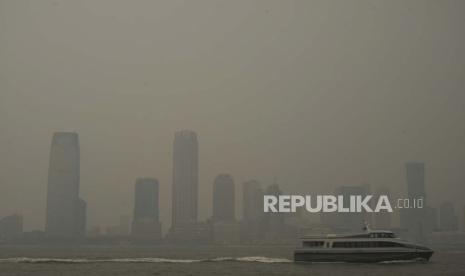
{"x":367,"y":247}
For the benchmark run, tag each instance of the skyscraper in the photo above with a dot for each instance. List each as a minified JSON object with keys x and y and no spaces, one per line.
{"x":413,"y":219}
{"x":66,"y":212}
{"x":81,"y":217}
{"x":225,"y":228}
{"x":382,"y":219}
{"x":431,"y":219}
{"x":463,"y":213}
{"x":253,"y":215}
{"x":415,"y":173}
{"x":146,"y":199}
{"x":223,"y":198}
{"x":273,"y":223}
{"x":252,"y":200}
{"x":185,"y":178}
{"x":124,"y":225}
{"x":351,"y":221}
{"x":448,"y":220}
{"x":11,"y":227}
{"x":146,"y":224}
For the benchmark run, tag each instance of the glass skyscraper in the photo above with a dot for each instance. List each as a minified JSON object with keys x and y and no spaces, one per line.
{"x":66,"y":212}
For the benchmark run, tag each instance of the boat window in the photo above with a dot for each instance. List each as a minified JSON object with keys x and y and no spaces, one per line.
{"x":382,"y":235}
{"x":366,"y":244}
{"x":388,"y":244}
{"x":347,"y":244}
{"x":313,"y":243}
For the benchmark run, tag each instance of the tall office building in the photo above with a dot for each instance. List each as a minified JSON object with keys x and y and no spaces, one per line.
{"x":66,"y":212}
{"x":273,"y":223}
{"x":253,"y":215}
{"x":463,"y":213}
{"x":11,"y":227}
{"x":185,"y":178}
{"x":415,"y":173}
{"x":81,"y":217}
{"x":252,"y":201}
{"x":413,"y":219}
{"x":146,"y":224}
{"x":431,"y":219}
{"x":448,"y":220}
{"x":225,"y":228}
{"x":347,"y":222}
{"x":352,"y":221}
{"x":185,"y":227}
{"x":223,"y":198}
{"x":124,"y":225}
{"x":382,"y":219}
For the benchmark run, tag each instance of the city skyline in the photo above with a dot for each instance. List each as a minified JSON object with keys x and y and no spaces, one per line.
{"x":241,"y":137}
{"x":65,"y":148}
{"x":315,"y":93}
{"x":67,"y":212}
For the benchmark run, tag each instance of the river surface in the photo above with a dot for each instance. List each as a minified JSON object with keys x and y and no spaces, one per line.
{"x":202,"y":260}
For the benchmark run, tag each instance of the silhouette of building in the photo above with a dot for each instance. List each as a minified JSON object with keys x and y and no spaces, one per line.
{"x":94,"y":232}
{"x":11,"y":227}
{"x":121,"y":230}
{"x":448,"y":220}
{"x":225,"y":228}
{"x":81,"y":217}
{"x":124,"y":225}
{"x":185,"y":186}
{"x":191,"y":233}
{"x":66,"y":212}
{"x":415,"y":173}
{"x":382,"y":219}
{"x":351,"y":221}
{"x":226,"y":232}
{"x":146,"y":224}
{"x":330,"y":220}
{"x":252,"y":219}
{"x":223,"y":198}
{"x":273,"y":223}
{"x":431,"y":219}
{"x":414,"y":219}
{"x":113,"y":231}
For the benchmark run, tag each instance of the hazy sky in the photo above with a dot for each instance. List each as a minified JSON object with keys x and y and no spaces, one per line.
{"x":315,"y":93}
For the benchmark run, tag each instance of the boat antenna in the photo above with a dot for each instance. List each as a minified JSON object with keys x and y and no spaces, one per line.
{"x":366,"y":227}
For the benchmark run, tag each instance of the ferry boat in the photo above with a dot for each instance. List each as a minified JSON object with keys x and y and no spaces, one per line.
{"x":369,"y":246}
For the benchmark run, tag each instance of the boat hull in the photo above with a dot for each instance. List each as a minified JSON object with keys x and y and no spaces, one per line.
{"x":360,"y":256}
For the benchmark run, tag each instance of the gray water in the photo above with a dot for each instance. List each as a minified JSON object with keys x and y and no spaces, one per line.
{"x":202,"y":260}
